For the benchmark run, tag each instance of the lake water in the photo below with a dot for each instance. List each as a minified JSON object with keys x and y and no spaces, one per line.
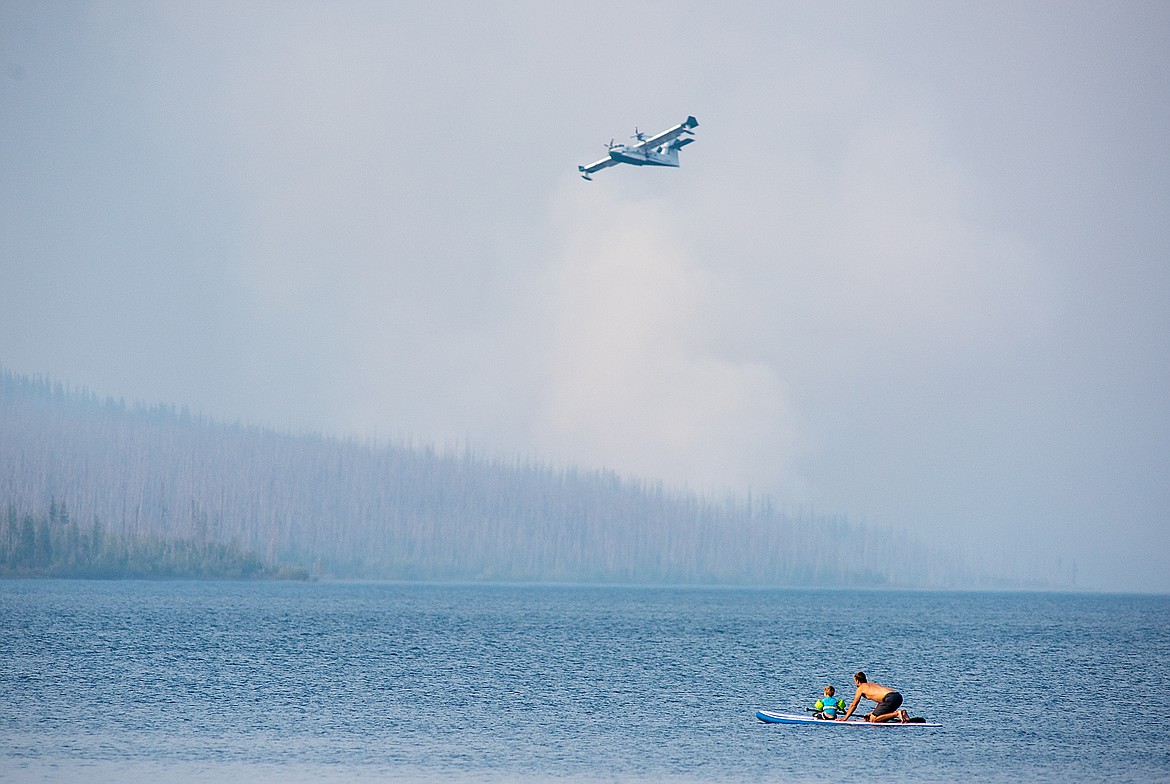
{"x":319,"y":682}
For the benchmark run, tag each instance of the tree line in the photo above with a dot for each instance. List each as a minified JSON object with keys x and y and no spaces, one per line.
{"x":54,"y":545}
{"x":158,"y":485}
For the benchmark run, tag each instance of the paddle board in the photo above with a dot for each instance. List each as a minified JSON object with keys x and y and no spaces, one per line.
{"x":773,"y":717}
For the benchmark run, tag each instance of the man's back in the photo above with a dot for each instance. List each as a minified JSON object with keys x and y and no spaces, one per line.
{"x":873,"y":691}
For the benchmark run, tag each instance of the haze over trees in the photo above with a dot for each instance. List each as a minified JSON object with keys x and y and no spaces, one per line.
{"x":96,"y":487}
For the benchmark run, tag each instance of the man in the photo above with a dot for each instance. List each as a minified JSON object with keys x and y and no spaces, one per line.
{"x":888,"y":701}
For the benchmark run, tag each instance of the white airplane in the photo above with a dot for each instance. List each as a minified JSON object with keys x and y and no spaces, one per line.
{"x":660,"y":150}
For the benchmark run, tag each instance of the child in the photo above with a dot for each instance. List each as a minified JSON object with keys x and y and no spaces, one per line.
{"x":828,"y":706}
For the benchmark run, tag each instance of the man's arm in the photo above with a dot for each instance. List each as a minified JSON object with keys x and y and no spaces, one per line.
{"x":852,"y":705}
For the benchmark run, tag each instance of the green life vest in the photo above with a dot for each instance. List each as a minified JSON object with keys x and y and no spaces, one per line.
{"x":830,"y":705}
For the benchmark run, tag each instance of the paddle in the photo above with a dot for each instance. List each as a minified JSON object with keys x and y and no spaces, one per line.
{"x":913,"y":720}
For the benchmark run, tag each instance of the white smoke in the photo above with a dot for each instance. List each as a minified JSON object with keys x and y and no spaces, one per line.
{"x":634,"y":381}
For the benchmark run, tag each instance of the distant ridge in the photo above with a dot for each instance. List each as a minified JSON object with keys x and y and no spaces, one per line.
{"x":347,"y":509}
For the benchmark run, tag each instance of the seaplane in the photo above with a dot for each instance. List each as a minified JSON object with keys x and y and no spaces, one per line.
{"x":658,"y":150}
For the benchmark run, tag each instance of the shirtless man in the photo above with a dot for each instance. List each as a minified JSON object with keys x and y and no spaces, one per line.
{"x":888,"y":701}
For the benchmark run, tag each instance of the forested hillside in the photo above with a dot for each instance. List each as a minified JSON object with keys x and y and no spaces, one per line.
{"x":154,"y":483}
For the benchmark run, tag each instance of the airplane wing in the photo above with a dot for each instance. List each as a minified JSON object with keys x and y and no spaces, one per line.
{"x":604,"y":163}
{"x":671,"y":134}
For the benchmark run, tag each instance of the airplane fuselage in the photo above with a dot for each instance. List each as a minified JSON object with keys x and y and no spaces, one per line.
{"x":657,"y":157}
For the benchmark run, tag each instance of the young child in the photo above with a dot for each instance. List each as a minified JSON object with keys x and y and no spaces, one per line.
{"x":828,"y":706}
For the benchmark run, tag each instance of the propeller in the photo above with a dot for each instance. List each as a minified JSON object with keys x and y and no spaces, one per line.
{"x":638,"y":135}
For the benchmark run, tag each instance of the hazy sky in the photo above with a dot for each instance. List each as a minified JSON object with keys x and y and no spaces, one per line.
{"x":915,"y":271}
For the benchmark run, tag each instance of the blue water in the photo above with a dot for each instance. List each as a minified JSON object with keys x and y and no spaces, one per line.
{"x":202,"y":682}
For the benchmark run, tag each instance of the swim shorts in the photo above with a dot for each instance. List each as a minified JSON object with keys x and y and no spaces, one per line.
{"x":890,"y":703}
